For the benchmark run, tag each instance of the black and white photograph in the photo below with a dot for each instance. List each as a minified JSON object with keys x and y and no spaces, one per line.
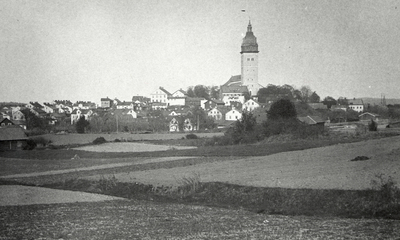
{"x":190,"y":119}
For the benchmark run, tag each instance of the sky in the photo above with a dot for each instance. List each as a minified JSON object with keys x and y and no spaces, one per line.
{"x":86,"y":50}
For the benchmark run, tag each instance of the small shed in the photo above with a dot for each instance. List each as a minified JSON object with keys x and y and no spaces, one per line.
{"x":12,"y":138}
{"x":369,"y":116}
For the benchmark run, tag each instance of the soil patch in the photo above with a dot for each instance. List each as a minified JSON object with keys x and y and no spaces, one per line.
{"x":13,"y":195}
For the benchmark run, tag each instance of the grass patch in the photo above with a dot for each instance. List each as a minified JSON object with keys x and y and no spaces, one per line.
{"x":381,"y":201}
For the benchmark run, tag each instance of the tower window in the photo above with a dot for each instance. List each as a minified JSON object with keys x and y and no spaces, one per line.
{"x":252,"y":59}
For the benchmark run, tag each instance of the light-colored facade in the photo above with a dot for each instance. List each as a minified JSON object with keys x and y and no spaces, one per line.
{"x":233,"y":115}
{"x":250,"y":105}
{"x":160,"y":95}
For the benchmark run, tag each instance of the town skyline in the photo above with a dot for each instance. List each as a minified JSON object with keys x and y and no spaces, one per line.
{"x":87,"y":51}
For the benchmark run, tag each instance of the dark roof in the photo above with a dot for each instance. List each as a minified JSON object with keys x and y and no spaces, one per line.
{"x":355,"y":102}
{"x":249,"y":43}
{"x":311,"y":119}
{"x":12,"y":133}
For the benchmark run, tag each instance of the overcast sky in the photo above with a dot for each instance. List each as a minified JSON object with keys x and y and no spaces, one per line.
{"x":86,"y":50}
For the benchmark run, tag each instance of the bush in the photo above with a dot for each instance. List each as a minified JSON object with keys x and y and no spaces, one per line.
{"x":373,"y":126}
{"x":30,"y":144}
{"x":41,"y":141}
{"x":191,"y":136}
{"x":99,"y":140}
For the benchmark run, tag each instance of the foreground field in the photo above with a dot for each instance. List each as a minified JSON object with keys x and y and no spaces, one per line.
{"x":234,"y":213}
{"x":149,"y":220}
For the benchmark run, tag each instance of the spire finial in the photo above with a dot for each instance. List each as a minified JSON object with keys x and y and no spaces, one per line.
{"x":249,"y":28}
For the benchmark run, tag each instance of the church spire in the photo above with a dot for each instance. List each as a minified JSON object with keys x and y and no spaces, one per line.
{"x":249,"y":28}
{"x":249,"y":43}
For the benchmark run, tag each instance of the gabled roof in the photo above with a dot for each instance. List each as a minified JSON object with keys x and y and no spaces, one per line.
{"x":12,"y":133}
{"x":181,"y":91}
{"x":105,"y":99}
{"x":36,"y":104}
{"x":165,"y":91}
{"x":355,"y":102}
{"x":368,"y":113}
{"x":124,"y":103}
{"x":311,"y":119}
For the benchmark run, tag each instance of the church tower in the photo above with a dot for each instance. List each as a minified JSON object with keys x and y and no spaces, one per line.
{"x":249,"y":73}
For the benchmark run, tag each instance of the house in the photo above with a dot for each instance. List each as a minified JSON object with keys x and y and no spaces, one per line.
{"x":12,"y":138}
{"x":106,"y":102}
{"x":18,"y":116}
{"x":233,"y":115}
{"x":339,"y":107}
{"x":179,"y":93}
{"x":141,"y":99}
{"x":34,"y":105}
{"x":212,"y":103}
{"x":193,"y":102}
{"x":218,"y":113}
{"x":174,"y":125}
{"x":369,"y":117}
{"x":312,"y":120}
{"x":4,"y":115}
{"x":84,"y":105}
{"x":356,"y":105}
{"x":125,"y":105}
{"x":176,"y":101}
{"x":6,"y":122}
{"x":49,"y":108}
{"x":78,"y":113}
{"x":233,"y":91}
{"x":160,"y":95}
{"x":158,"y":105}
{"x":188,"y":126}
{"x":250,"y":105}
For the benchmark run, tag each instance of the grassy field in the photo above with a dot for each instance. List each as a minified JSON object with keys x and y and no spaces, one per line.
{"x":202,"y":210}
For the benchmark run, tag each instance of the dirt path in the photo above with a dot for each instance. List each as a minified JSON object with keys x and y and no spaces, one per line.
{"x":13,"y":195}
{"x":98,"y":167}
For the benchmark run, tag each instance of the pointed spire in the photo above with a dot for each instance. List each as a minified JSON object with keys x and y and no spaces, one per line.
{"x":249,"y":28}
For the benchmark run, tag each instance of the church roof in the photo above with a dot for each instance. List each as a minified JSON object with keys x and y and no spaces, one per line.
{"x":249,"y":44}
{"x":234,"y":85}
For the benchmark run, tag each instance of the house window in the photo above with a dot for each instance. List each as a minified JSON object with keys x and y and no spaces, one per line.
{"x":252,"y":59}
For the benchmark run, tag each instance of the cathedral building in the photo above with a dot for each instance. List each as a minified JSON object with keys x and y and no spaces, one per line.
{"x":235,"y":89}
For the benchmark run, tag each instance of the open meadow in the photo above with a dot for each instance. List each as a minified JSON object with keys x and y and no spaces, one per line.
{"x":313,"y":189}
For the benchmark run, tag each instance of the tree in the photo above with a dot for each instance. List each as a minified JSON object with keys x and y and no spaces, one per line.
{"x":81,"y":125}
{"x":314,"y":98}
{"x":342,"y":101}
{"x":274,"y":92}
{"x":201,"y":91}
{"x":244,"y":130}
{"x":282,"y":109}
{"x":33,"y":121}
{"x":305,"y":93}
{"x":190,"y":92}
{"x":329,"y":101}
{"x":214,"y":92}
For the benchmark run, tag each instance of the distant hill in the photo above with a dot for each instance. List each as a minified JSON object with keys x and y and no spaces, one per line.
{"x":377,"y":101}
